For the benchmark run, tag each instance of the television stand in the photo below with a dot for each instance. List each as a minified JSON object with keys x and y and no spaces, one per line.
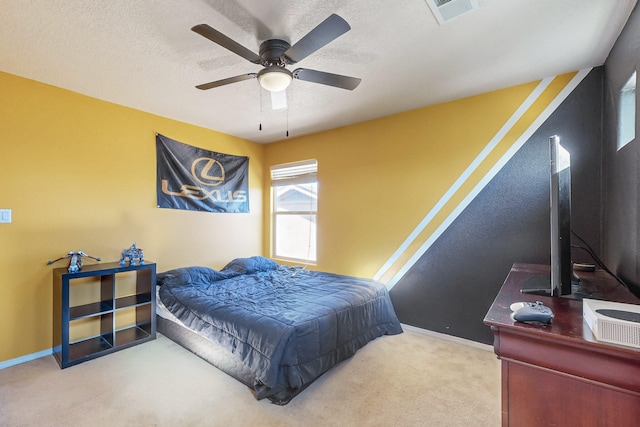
{"x":560,"y":374}
{"x":540,"y":284}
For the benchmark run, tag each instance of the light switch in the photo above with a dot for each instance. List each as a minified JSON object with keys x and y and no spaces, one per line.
{"x":5,"y":216}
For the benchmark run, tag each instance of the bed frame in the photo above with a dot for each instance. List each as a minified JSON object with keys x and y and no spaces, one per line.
{"x":218,"y":356}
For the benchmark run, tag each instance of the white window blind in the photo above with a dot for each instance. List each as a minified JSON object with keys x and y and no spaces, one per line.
{"x":294,"y":173}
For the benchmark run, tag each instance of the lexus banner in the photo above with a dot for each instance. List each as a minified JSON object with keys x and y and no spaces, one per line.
{"x":192,"y":178}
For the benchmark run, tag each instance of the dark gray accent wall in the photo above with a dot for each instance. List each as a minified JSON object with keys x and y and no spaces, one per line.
{"x":451,"y":287}
{"x":621,"y":198}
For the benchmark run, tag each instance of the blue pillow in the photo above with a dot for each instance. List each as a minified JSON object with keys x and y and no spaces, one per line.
{"x":186,"y":275}
{"x":250,"y":265}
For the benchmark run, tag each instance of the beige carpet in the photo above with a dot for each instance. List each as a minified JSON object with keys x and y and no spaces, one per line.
{"x":412,"y":379}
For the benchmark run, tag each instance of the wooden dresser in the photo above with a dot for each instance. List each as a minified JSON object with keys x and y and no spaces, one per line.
{"x":560,"y":375}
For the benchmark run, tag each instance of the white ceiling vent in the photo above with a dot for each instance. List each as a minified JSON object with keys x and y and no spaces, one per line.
{"x":446,"y":10}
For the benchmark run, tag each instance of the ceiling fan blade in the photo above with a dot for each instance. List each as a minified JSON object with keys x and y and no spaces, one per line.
{"x":279,"y":100}
{"x":336,"y":80}
{"x":327,"y":31}
{"x":227,"y":81}
{"x":224,"y":41}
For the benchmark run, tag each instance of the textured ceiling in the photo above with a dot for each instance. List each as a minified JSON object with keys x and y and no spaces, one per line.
{"x":143,"y":54}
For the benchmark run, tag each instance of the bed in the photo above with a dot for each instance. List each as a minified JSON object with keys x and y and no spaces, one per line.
{"x":273,"y":327}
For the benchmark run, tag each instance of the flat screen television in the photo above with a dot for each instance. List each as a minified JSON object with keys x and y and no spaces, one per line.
{"x":561,"y":265}
{"x":560,"y":215}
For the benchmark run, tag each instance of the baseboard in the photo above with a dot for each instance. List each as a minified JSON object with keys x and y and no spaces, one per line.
{"x":24,"y":359}
{"x":451,"y":338}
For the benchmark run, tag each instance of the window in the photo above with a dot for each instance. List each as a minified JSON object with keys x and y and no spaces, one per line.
{"x":627,"y":112}
{"x":295,"y":207}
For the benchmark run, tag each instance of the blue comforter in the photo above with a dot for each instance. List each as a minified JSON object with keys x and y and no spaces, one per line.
{"x":287,"y":325}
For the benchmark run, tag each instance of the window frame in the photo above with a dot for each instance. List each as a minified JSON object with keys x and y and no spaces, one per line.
{"x":292,"y":174}
{"x":627,"y":112}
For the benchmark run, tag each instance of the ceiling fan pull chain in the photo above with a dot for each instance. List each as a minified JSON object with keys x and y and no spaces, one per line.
{"x":260,"y":89}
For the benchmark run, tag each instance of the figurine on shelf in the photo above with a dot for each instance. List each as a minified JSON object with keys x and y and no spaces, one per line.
{"x":132,"y":253}
{"x":75,"y":260}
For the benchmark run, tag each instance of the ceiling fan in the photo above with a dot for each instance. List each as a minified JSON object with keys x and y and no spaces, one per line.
{"x":276,"y":54}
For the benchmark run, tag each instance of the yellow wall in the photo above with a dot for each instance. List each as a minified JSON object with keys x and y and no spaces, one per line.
{"x":79,"y":174}
{"x":377,"y":180}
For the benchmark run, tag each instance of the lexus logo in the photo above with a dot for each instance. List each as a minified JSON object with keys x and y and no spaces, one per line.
{"x":207,"y":171}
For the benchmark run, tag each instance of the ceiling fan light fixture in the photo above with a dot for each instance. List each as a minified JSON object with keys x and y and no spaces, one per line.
{"x":274,"y":79}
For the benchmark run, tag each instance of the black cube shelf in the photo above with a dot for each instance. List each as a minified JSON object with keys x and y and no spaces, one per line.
{"x":102,"y":312}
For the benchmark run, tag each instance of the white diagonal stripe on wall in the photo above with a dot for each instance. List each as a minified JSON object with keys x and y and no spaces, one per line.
{"x":535,"y":94}
{"x":486,"y":179}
